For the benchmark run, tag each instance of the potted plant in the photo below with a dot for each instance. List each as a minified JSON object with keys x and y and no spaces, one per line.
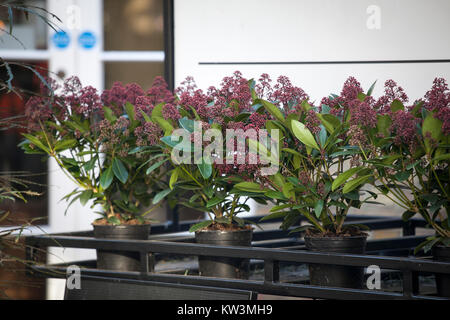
{"x":412,"y":165}
{"x":323,"y":174}
{"x":204,"y":177}
{"x":98,"y":142}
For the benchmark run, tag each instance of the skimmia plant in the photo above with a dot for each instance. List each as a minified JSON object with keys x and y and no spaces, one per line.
{"x":216,"y":182}
{"x":322,"y":174}
{"x":99,"y":142}
{"x":412,"y":163}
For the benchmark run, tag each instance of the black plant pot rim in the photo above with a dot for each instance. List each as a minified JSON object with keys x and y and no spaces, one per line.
{"x":120,"y":226}
{"x":318,"y":238}
{"x":224,"y":231}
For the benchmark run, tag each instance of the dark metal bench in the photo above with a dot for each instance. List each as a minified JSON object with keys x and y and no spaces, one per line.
{"x":109,"y":288}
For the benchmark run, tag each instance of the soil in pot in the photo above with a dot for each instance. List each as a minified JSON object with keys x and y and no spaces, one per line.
{"x":442,"y":254}
{"x":223,"y":267}
{"x":115,"y":259}
{"x":335,"y":275}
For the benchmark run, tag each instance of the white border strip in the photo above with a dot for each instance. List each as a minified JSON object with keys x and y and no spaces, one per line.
{"x":132,"y":56}
{"x":25,"y":54}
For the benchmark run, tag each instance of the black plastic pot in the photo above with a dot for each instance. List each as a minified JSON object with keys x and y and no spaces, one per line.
{"x":120,"y":260}
{"x":335,"y":275}
{"x":223,"y":267}
{"x":442,"y":253}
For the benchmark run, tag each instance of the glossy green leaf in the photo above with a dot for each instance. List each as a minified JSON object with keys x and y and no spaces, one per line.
{"x":275,"y":195}
{"x":187,"y":124}
{"x":200,"y":225}
{"x":174,"y":177}
{"x":431,"y":131}
{"x":85,"y":196}
{"x":273,"y":110}
{"x":109,"y":114}
{"x":250,"y":187}
{"x":397,"y":105}
{"x":369,"y":92}
{"x":304,"y":135}
{"x":318,"y":208}
{"x":274,"y":215}
{"x":355,"y":183}
{"x":119,"y":170}
{"x":129,"y":108}
{"x":65,"y":144}
{"x":383,"y":124}
{"x":205,"y":169}
{"x":161,"y":195}
{"x":155,"y":166}
{"x":343,"y":177}
{"x":34,"y":140}
{"x":214,"y":201}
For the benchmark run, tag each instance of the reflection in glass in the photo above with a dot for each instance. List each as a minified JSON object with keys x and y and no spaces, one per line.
{"x":133,"y":25}
{"x":141,"y":73}
{"x":12,"y":158}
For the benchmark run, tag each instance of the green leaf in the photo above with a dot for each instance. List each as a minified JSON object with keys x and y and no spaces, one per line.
{"x":361,"y":96}
{"x":239,"y":221}
{"x":355,"y":183}
{"x":119,"y":170}
{"x":155,"y":166}
{"x":205,"y":169}
{"x":354,"y":195}
{"x":343,"y":177}
{"x":85,"y":196}
{"x":369,"y":92}
{"x":301,"y":229}
{"x":273,"y":110}
{"x":174,"y":177}
{"x":34,"y":140}
{"x":106,"y":178}
{"x":408,"y":215}
{"x":200,"y":225}
{"x":383,"y":124}
{"x":187,"y":124}
{"x":129,"y":108}
{"x":212,"y":202}
{"x":397,"y":105}
{"x":275,"y":195}
{"x":161,"y":195}
{"x":291,"y":151}
{"x":329,"y":121}
{"x":109,"y":114}
{"x":163,"y":124}
{"x":402,"y":176}
{"x":441,"y":157}
{"x":168,"y":141}
{"x":250,"y":187}
{"x":281,"y":207}
{"x":158,"y":118}
{"x":113,"y":220}
{"x":275,"y":215}
{"x":431,"y":131}
{"x":318,"y":208}
{"x":303,"y":134}
{"x":146,"y":117}
{"x":65,"y":144}
{"x":306,"y":106}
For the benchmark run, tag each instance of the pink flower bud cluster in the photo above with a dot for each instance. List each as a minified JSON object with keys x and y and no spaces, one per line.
{"x":437,"y":100}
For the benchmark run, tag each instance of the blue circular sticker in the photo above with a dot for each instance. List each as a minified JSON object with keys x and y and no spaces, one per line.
{"x":61,"y":39}
{"x":87,"y":40}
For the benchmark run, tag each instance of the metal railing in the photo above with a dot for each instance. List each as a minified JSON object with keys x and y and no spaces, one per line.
{"x":271,"y":247}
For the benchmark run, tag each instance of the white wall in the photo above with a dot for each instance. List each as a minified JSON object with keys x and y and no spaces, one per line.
{"x":319,"y":30}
